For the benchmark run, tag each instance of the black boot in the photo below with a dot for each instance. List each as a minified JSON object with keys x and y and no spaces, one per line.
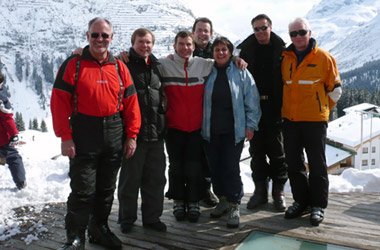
{"x":101,"y":234}
{"x":260,"y":196}
{"x":75,"y":240}
{"x":278,"y":196}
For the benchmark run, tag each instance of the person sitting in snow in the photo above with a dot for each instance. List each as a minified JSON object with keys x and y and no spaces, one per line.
{"x":9,"y":139}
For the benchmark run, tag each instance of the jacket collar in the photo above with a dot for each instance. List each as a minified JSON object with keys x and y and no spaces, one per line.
{"x":134,"y":56}
{"x":87,"y":56}
{"x":181,"y":60}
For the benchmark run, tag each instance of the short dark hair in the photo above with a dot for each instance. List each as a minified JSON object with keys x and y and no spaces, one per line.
{"x":261,"y":16}
{"x":183,"y":34}
{"x":223,"y":40}
{"x":96,"y":19}
{"x":141,"y":32}
{"x":203,"y":20}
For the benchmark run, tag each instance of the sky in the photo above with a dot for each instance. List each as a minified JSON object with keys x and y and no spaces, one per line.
{"x":48,"y":181}
{"x":240,"y":13}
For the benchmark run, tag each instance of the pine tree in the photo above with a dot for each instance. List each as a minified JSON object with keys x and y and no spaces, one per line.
{"x":43,"y":126}
{"x":20,"y":125}
{"x":30,"y":125}
{"x":35,"y":124}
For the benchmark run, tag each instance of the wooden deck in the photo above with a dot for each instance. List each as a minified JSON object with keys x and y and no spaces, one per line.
{"x":352,"y":219}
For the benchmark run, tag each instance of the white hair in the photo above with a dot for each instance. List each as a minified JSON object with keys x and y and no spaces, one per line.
{"x":300,"y":20}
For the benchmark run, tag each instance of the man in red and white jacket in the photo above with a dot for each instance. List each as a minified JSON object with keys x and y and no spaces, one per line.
{"x":9,"y":138}
{"x":95,"y":108}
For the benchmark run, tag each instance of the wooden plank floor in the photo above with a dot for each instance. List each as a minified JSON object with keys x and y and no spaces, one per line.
{"x":352,"y":219}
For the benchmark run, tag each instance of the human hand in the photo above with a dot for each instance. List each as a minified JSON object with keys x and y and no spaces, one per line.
{"x":123,"y":56}
{"x":249,"y":134}
{"x":78,"y":51}
{"x":240,"y":63}
{"x":13,"y":141}
{"x":129,"y":147}
{"x":68,"y":148}
{"x":170,"y":56}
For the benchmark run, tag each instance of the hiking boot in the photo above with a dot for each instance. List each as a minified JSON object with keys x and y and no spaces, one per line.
{"x":210,"y":199}
{"x":75,"y":240}
{"x":233,"y":216}
{"x":21,"y":185}
{"x":193,"y":211}
{"x":296,"y":210}
{"x":260,"y":196}
{"x":179,"y":210}
{"x":101,"y":234}
{"x":278,"y":196}
{"x":317,"y":215}
{"x":221,"y":208}
{"x":126,"y":227}
{"x":156,"y":226}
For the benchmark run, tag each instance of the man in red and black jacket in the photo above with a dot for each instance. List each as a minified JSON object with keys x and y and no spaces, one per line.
{"x":9,"y":138}
{"x":95,"y":109}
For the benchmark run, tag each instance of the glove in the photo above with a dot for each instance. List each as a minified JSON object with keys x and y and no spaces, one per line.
{"x":14,"y":141}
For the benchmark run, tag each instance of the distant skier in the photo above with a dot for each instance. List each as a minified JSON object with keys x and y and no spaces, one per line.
{"x":9,"y":139}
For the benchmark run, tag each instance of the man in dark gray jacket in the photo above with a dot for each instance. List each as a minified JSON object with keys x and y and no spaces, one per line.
{"x":145,"y":170}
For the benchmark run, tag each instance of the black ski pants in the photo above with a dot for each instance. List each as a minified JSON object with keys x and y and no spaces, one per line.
{"x":93,"y":171}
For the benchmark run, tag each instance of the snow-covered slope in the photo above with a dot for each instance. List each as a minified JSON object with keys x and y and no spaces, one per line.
{"x":348,"y":29}
{"x":37,"y":35}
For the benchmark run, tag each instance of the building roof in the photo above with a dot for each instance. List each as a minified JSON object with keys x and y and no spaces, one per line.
{"x":349,"y":130}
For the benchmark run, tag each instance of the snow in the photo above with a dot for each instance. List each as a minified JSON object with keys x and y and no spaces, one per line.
{"x":48,"y":181}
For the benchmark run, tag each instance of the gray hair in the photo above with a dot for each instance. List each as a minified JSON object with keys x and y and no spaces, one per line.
{"x":99,"y":19}
{"x":300,"y":20}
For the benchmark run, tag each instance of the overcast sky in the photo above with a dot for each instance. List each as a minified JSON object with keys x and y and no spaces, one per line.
{"x":235,"y":15}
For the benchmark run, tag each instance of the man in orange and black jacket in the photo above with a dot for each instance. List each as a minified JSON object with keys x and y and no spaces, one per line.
{"x":94,"y":104}
{"x":312,"y":87}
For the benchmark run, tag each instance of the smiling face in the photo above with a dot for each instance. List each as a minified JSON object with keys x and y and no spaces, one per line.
{"x":262,"y":36}
{"x":184,"y":46}
{"x":300,"y":42}
{"x":99,"y":45}
{"x":202,"y":34}
{"x":143,"y":45}
{"x":221,"y":54}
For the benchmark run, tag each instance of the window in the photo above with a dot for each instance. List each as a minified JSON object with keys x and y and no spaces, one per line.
{"x":373,"y":162}
{"x":365,"y":150}
{"x":364,"y":162}
{"x":373,"y":149}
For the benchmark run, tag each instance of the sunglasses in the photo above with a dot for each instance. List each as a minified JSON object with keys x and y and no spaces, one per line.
{"x":298,"y":32}
{"x":96,"y":35}
{"x":263,"y":28}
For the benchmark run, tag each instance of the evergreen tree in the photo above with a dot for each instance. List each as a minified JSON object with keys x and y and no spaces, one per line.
{"x":30,"y":125}
{"x":43,"y":126}
{"x":35,"y":124}
{"x":20,"y":125}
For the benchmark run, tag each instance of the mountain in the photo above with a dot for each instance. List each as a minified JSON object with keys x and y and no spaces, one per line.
{"x":348,"y":29}
{"x":38,"y":35}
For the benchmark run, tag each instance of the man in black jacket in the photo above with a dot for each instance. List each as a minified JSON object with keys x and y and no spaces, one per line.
{"x":262,"y":51}
{"x":202,"y":32}
{"x":145,"y":170}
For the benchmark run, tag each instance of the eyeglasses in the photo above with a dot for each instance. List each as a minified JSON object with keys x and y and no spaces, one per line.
{"x":298,"y":32}
{"x":263,"y":28}
{"x":96,"y":35}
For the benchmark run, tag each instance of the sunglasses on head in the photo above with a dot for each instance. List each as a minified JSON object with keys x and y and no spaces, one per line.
{"x":96,"y":35}
{"x":263,"y":28}
{"x":298,"y":32}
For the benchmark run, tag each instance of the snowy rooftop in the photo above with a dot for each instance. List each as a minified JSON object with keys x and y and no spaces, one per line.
{"x":347,"y":129}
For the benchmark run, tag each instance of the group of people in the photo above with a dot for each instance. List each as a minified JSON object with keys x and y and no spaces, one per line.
{"x":203,"y":103}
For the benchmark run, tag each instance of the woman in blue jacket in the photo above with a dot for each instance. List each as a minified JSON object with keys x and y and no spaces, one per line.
{"x":231,"y":113}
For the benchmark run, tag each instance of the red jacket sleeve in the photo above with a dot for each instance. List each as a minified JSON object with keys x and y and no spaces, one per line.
{"x":60,"y":102}
{"x":131,"y":109}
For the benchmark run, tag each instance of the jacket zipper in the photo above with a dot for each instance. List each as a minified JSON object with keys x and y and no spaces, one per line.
{"x":319,"y":101}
